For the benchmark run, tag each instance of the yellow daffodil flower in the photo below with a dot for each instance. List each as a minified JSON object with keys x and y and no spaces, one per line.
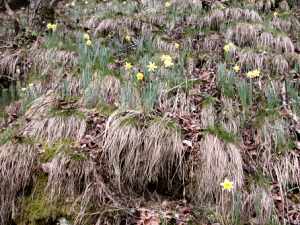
{"x":167,"y":60}
{"x":54,"y":26}
{"x":140,"y":76}
{"x":88,"y":43}
{"x":227,"y":185}
{"x":86,"y":2}
{"x":128,"y":38}
{"x":151,"y":67}
{"x":275,"y":14}
{"x":177,"y":45}
{"x":253,"y":74}
{"x":31,"y":85}
{"x":236,"y":68}
{"x":127,"y":66}
{"x":86,"y":36}
{"x":73,"y":3}
{"x":167,"y":4}
{"x":228,"y":47}
{"x":49,"y":26}
{"x":168,"y":63}
{"x":23,"y":89}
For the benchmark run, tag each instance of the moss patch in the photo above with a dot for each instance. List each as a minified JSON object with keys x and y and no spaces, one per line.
{"x":38,"y":211}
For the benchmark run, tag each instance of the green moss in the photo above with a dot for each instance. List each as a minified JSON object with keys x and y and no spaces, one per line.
{"x":258,"y":178}
{"x":66,"y":113}
{"x":62,"y":146}
{"x":221,"y":133}
{"x":106,"y":109}
{"x":37,"y":209}
{"x":50,"y":151}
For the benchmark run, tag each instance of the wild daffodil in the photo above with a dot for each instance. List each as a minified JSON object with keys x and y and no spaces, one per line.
{"x":167,"y":60}
{"x":54,"y":27}
{"x":253,"y":73}
{"x":51,"y":26}
{"x":88,"y":43}
{"x":227,"y":185}
{"x":151,"y":67}
{"x":167,"y":4}
{"x":236,"y":68}
{"x":275,"y":14}
{"x":86,"y":36}
{"x":177,"y":45}
{"x":128,"y":37}
{"x":128,"y":66}
{"x":228,"y":47}
{"x":139,"y":76}
{"x":168,"y":63}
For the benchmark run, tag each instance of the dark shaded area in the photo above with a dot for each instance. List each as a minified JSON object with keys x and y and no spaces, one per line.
{"x":14,"y":4}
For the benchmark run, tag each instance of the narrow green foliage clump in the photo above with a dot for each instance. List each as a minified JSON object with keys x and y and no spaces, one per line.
{"x":6,"y":135}
{"x":226,"y":81}
{"x":222,"y":134}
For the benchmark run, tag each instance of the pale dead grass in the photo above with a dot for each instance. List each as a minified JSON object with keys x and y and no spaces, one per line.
{"x":17,"y":162}
{"x":55,"y":128}
{"x":68,"y":176}
{"x":141,"y":154}
{"x":218,"y":160}
{"x":45,"y":60}
{"x":43,"y":126}
{"x":9,"y":62}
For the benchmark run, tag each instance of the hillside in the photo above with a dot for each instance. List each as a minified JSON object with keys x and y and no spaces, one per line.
{"x":150,"y":112}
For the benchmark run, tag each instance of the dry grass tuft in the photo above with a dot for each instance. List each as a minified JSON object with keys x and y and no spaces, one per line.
{"x":40,"y":106}
{"x":287,"y":169}
{"x":252,"y":60}
{"x":17,"y":163}
{"x":218,"y":160}
{"x":280,"y":24}
{"x":164,"y":45}
{"x":235,"y":14}
{"x":259,"y":202}
{"x":213,"y":43}
{"x":284,"y":44}
{"x":9,"y":63}
{"x":265,"y":40}
{"x":44,"y":59}
{"x":230,"y":121}
{"x":69,"y":174}
{"x":243,"y":34}
{"x":141,"y":154}
{"x":280,"y":64}
{"x":43,"y":125}
{"x":55,"y":128}
{"x":105,"y":90}
{"x":177,"y":104}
